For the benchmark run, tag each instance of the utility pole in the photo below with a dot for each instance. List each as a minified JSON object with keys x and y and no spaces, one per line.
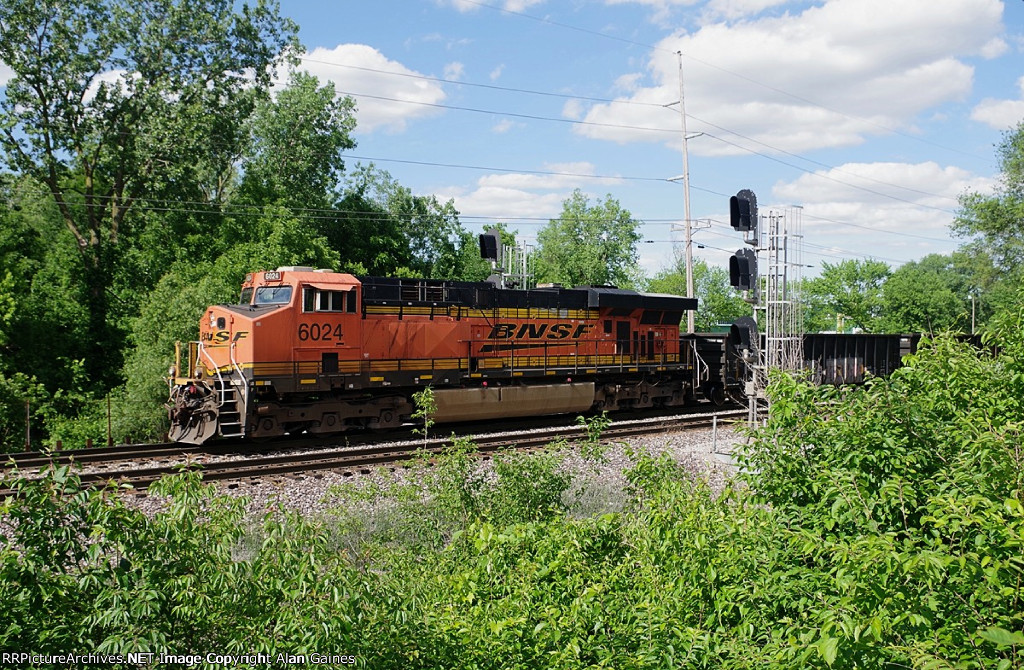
{"x":686,"y":198}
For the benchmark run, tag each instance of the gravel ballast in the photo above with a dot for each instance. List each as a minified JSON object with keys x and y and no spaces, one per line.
{"x":704,"y":453}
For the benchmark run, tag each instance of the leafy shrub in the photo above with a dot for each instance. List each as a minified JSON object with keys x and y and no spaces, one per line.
{"x":85,"y":571}
{"x":906,"y":494}
{"x":875,"y":527}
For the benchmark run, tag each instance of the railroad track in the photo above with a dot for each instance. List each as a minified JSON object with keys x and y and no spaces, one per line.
{"x":346,"y":460}
{"x":176,"y":450}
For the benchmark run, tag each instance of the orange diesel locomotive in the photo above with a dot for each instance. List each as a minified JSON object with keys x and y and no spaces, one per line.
{"x":323,"y":352}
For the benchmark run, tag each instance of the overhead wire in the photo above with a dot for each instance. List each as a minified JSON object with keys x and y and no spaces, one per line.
{"x":332,"y":213}
{"x":675,"y":131}
{"x":750,"y":80}
{"x":672,"y":131}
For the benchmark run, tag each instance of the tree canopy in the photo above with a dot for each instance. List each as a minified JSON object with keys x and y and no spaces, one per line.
{"x":589,"y":244}
{"x":117,"y":106}
{"x":849,"y":291}
{"x":992,"y":225}
{"x":717,"y":301}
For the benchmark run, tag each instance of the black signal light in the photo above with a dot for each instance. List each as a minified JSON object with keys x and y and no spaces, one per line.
{"x":743,"y":211}
{"x":743,"y":269}
{"x":490,"y":245}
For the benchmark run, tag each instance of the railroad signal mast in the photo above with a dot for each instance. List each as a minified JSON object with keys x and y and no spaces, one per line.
{"x":511,"y":266}
{"x":775,"y":244}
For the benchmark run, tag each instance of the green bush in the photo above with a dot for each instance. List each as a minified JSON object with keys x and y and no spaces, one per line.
{"x":85,"y":571}
{"x":876,"y":527}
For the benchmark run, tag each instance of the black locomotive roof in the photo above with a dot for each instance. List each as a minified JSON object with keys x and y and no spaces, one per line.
{"x":484,"y":295}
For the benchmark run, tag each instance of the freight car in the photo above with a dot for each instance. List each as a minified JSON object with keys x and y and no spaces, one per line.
{"x":317,"y":351}
{"x":828,"y":358}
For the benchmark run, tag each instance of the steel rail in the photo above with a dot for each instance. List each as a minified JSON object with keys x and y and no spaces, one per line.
{"x":361,"y":458}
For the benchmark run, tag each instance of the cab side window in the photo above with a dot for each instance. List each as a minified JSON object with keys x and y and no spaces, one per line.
{"x":319,"y":300}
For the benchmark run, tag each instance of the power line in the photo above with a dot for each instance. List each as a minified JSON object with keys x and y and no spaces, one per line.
{"x":674,"y":132}
{"x":511,"y":170}
{"x":833,"y":179}
{"x":613,"y":101}
{"x":875,"y":230}
{"x":847,"y":252}
{"x":813,"y":162}
{"x":738,"y":75}
{"x":332,"y":213}
{"x":494,"y":87}
{"x":532,"y":117}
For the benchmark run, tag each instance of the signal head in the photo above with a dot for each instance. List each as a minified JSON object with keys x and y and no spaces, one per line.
{"x":490,"y":245}
{"x":743,"y":269}
{"x":743,"y":211}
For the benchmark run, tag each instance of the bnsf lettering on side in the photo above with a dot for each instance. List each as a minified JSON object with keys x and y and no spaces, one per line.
{"x":222,"y":336}
{"x":538,"y":331}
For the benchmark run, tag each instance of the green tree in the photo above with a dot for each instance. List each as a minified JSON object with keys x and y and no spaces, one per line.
{"x":992,"y":225}
{"x":589,"y":245}
{"x":297,"y":139}
{"x":381,"y":228}
{"x":930,"y":296}
{"x":994,"y":220}
{"x":848,"y":292}
{"x":114,"y":102}
{"x":717,"y":301}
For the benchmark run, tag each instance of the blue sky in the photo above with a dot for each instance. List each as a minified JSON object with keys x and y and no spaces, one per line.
{"x":873,"y":115}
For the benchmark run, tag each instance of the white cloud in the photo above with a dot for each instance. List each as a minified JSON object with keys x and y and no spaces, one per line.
{"x":566,"y":177}
{"x":629,"y":82}
{"x":460,"y":5}
{"x":826,"y":77}
{"x":520,"y":5}
{"x":914,"y":200}
{"x":518,"y":195}
{"x":508,"y":5}
{"x":662,"y":8}
{"x":389,"y":108}
{"x":6,"y":73}
{"x":454,"y":70}
{"x":505,"y":125}
{"x":573,"y":109}
{"x":111,"y":78}
{"x":504,"y":203}
{"x":496,"y":72}
{"x":995,"y":48}
{"x":734,"y":9}
{"x":1001,"y":114}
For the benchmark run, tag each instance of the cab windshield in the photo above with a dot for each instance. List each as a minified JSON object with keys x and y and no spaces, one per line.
{"x":246,"y":297}
{"x":273,"y":295}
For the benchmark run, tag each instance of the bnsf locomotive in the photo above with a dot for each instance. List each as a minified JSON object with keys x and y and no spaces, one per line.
{"x":322,"y":352}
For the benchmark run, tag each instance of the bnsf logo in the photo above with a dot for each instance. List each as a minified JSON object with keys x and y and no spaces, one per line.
{"x":222,"y":336}
{"x":539,"y":331}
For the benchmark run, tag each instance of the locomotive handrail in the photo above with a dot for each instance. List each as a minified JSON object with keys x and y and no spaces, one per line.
{"x":216,"y":370}
{"x":703,"y":369}
{"x":242,"y":384}
{"x":194,"y":361}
